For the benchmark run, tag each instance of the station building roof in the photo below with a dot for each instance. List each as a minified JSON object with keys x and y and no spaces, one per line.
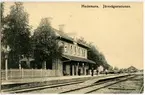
{"x":64,"y":36}
{"x":78,"y":59}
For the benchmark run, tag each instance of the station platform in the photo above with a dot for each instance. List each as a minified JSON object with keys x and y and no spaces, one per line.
{"x":36,"y":83}
{"x":32,"y":80}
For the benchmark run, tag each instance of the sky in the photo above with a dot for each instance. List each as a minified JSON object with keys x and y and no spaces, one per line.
{"x":117,"y":33}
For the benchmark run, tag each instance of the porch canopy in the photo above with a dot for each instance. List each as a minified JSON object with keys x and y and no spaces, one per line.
{"x":27,"y":59}
{"x":78,"y":59}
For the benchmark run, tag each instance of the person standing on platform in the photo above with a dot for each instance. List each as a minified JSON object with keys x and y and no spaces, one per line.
{"x":79,"y":71}
{"x":97,"y":71}
{"x":92,"y":70}
{"x":106,"y":71}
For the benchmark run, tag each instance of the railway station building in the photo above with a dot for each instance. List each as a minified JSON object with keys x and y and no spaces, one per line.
{"x":73,"y":61}
{"x":74,"y":58}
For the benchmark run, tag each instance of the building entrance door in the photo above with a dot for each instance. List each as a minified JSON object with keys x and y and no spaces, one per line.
{"x":71,"y":69}
{"x":64,"y":69}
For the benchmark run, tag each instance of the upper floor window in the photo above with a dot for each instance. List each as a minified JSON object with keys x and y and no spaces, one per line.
{"x":65,"y":48}
{"x":84,"y":53}
{"x":71,"y":49}
{"x":79,"y":51}
{"x":68,"y":48}
{"x":75,"y":50}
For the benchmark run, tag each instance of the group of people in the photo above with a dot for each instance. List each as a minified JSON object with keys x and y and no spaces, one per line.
{"x":97,"y":72}
{"x":92,"y":72}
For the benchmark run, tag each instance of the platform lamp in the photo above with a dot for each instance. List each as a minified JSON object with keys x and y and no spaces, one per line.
{"x":6,"y":50}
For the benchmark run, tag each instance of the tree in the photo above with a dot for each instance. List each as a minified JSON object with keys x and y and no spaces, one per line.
{"x":16,"y":33}
{"x":110,"y":68}
{"x":45,"y":44}
{"x":103,"y":61}
{"x":2,"y":11}
{"x":2,"y":24}
{"x":2,"y":17}
{"x":98,"y":57}
{"x":93,"y":54}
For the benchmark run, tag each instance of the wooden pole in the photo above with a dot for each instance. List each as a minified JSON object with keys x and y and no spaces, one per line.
{"x":6,"y":69}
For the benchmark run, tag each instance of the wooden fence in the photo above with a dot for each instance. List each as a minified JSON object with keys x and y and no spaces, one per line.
{"x":27,"y":73}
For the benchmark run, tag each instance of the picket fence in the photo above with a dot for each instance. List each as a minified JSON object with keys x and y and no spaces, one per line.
{"x":27,"y":73}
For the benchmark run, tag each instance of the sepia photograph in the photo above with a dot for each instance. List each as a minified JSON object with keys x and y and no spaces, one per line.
{"x":72,"y":48}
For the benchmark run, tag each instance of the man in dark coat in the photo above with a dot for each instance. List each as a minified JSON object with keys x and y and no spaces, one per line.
{"x":79,"y":72}
{"x":92,"y":70}
{"x":97,"y":71}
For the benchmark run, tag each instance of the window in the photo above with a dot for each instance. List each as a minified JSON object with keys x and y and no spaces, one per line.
{"x":65,"y":48}
{"x":79,"y":51}
{"x":71,"y":49}
{"x":83,"y":53}
{"x":68,"y":48}
{"x":86,"y":53}
{"x":75,"y":50}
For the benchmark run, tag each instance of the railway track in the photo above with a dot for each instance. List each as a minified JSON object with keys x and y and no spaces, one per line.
{"x":109,"y":84}
{"x":41,"y":87}
{"x":98,"y":85}
{"x":141,"y":89}
{"x":28,"y":89}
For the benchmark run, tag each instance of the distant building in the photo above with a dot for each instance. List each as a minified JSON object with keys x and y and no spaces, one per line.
{"x":132,"y":69}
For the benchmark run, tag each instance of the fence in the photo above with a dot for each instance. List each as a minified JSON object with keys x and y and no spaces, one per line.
{"x":27,"y":73}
